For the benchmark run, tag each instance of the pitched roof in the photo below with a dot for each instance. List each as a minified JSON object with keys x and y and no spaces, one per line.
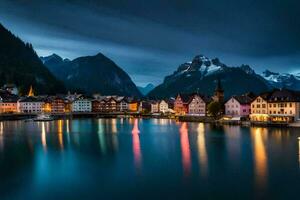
{"x":243,"y":99}
{"x":284,"y":95}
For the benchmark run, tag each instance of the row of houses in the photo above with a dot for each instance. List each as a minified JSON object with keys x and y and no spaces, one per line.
{"x":10,"y":103}
{"x":279,"y":105}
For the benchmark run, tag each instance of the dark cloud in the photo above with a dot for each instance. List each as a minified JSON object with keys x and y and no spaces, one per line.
{"x":150,"y":38}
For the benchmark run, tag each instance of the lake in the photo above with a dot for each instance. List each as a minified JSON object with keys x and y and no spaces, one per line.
{"x":146,"y":159}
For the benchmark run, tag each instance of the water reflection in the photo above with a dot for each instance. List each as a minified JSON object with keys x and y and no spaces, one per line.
{"x":185,"y":149}
{"x":101,"y":136}
{"x":233,"y":143}
{"x":60,"y":134}
{"x":202,"y":153}
{"x":136,"y":145}
{"x":44,"y":137}
{"x":260,"y":156}
{"x":299,"y":150}
{"x":1,"y":137}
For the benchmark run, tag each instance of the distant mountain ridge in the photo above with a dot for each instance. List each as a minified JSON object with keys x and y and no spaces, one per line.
{"x":145,"y":90}
{"x":92,"y":74}
{"x":200,"y":75}
{"x":19,"y":64}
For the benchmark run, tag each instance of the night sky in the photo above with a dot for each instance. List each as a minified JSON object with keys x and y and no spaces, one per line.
{"x":150,"y":38}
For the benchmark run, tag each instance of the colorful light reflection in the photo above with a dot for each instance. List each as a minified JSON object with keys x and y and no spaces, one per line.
{"x":185,"y":149}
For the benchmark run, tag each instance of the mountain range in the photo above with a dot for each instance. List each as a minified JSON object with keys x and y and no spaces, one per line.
{"x":201,"y":73}
{"x":145,"y":90}
{"x":20,"y":65}
{"x":91,"y":74}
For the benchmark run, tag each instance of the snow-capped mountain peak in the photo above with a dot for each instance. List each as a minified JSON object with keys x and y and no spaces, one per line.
{"x":200,"y":64}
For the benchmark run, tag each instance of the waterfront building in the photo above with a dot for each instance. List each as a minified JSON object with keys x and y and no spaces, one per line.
{"x":122,"y":104}
{"x":259,"y":107}
{"x":238,"y":106}
{"x":181,"y":104}
{"x":57,"y":104}
{"x":197,"y":105}
{"x":145,"y":107}
{"x":111,"y":105}
{"x":163,"y":106}
{"x":82,"y":104}
{"x":154,"y":106}
{"x":284,"y":105}
{"x":8,"y":103}
{"x":276,"y":106}
{"x":96,"y":105}
{"x":133,"y":105}
{"x":31,"y":104}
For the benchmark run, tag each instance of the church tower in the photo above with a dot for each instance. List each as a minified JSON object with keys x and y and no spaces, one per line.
{"x":30,"y":93}
{"x":219,"y":92}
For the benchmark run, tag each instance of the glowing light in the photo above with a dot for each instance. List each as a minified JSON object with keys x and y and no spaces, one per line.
{"x":43,"y":137}
{"x":185,"y":149}
{"x":202,"y":148}
{"x":114,"y":125}
{"x":60,"y":134}
{"x":101,"y":136}
{"x":135,"y":129}
{"x":260,"y":157}
{"x":1,"y":136}
{"x":136,"y":145}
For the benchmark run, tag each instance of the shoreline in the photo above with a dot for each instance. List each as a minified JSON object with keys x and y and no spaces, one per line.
{"x":203,"y":119}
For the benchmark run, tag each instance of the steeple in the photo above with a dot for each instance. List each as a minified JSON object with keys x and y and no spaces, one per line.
{"x":30,"y":93}
{"x":219,"y":92}
{"x":219,"y":86}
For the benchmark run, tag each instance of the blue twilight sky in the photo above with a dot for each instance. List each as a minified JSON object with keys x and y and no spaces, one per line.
{"x":149,"y":39}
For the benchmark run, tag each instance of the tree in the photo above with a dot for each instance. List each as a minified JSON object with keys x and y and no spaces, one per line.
{"x":214,"y":108}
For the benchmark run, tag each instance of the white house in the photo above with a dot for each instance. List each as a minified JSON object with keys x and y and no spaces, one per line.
{"x":197,"y":105}
{"x":82,"y":104}
{"x":163,"y":106}
{"x":31,"y":105}
{"x":122,"y":104}
{"x":238,"y":106}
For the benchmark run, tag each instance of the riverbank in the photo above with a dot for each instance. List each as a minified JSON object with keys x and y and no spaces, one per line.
{"x":203,"y":119}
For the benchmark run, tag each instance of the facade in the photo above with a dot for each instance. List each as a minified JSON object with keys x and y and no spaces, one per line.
{"x":259,"y":108}
{"x":96,"y":106}
{"x":57,"y":105}
{"x":133,"y":106}
{"x":155,"y":107}
{"x":198,"y":105}
{"x":122,"y":104}
{"x":82,"y":104}
{"x":8,"y":105}
{"x":276,"y":106}
{"x":238,"y":106}
{"x":181,"y":104}
{"x":31,"y":104}
{"x":163,"y":106}
{"x":111,"y":105}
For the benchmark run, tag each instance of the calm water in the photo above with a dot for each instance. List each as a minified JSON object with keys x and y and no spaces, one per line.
{"x":147,"y":159}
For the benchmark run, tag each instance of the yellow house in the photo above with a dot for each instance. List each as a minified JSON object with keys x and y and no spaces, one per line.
{"x":259,"y":108}
{"x":8,"y":104}
{"x":277,"y":106}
